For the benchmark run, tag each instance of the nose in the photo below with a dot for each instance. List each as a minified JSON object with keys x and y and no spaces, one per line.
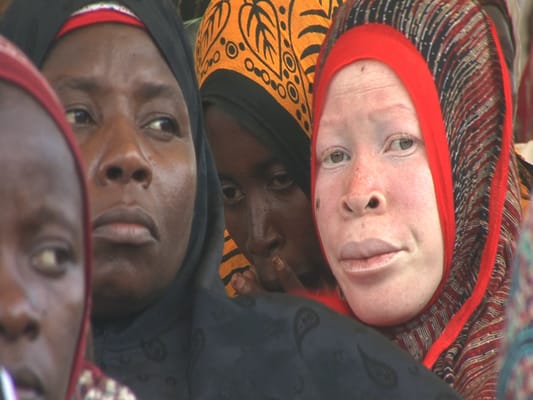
{"x":364,"y":193}
{"x":18,"y":315}
{"x":123,"y":160}
{"x":263,"y":238}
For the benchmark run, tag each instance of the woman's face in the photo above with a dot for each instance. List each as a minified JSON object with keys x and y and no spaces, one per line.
{"x":131,"y":120}
{"x":266,"y":213}
{"x":375,"y":202}
{"x":41,"y":250}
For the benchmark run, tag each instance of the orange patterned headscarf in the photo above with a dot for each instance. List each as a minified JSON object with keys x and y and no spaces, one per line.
{"x":256,"y":59}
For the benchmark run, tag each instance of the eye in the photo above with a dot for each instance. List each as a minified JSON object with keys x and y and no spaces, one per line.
{"x":231,"y":193}
{"x":281,"y":180}
{"x":163,"y":127}
{"x":79,"y":116}
{"x":403,"y":143}
{"x":335,"y":157}
{"x":51,"y":260}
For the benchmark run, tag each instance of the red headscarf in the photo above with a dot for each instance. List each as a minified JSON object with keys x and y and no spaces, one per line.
{"x":462,"y":96}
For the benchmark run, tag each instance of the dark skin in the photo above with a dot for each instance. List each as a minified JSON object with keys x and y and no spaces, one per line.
{"x":135,"y":137}
{"x":267,"y":214}
{"x":41,"y":250}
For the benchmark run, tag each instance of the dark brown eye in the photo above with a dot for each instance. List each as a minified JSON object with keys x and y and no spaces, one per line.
{"x":164,"y":124}
{"x":231,"y":193}
{"x":281,"y":180}
{"x":79,"y":116}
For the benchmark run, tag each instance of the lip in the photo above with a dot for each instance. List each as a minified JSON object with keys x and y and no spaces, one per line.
{"x":125,"y":225}
{"x":367,"y":255}
{"x":27,"y":384}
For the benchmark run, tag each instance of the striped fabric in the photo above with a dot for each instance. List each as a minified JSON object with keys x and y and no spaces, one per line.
{"x":233,"y":261}
{"x":459,"y":333}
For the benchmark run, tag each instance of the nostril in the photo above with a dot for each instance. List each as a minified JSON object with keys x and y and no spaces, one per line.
{"x":140,"y":175}
{"x":373,"y":203}
{"x":114,"y":173}
{"x":31,"y":330}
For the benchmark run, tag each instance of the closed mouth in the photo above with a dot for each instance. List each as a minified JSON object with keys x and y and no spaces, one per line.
{"x":126,"y":225}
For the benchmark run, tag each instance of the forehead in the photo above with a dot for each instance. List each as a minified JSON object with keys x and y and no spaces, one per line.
{"x":34,"y":156}
{"x":232,"y":143}
{"x":363,"y":76}
{"x":110,"y":53}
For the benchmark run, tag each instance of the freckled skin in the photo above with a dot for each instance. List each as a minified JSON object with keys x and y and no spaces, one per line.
{"x":374,"y":184}
{"x":272,"y":216}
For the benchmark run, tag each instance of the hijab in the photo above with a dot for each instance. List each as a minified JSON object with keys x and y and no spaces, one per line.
{"x":257,"y":63}
{"x":195,"y":342}
{"x":17,"y":70}
{"x":263,"y":78}
{"x":145,"y":359}
{"x":462,"y":95}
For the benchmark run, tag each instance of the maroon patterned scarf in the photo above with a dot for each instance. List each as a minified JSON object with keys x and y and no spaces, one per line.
{"x":459,"y":332}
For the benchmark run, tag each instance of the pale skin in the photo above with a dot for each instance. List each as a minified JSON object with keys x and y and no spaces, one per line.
{"x":376,"y":208}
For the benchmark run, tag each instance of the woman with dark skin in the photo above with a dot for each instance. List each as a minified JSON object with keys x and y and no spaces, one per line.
{"x":44,"y":244}
{"x":167,"y":328}
{"x":257,"y":106}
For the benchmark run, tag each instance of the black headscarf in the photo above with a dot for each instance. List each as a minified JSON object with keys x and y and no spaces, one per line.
{"x":195,"y":342}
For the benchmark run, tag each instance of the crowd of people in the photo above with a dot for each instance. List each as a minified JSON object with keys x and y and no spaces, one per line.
{"x":264,"y":199}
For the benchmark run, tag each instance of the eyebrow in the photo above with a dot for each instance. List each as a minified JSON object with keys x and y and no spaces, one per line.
{"x":258,"y":169}
{"x":151,"y":90}
{"x":77,"y":83}
{"x":148,"y":90}
{"x":378,"y":114}
{"x":50,"y":214}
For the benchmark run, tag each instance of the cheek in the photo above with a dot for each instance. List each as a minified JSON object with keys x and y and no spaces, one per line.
{"x":327,"y":195}
{"x":63,"y":322}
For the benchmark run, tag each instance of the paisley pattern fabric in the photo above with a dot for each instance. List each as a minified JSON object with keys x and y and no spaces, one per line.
{"x":463,"y":100}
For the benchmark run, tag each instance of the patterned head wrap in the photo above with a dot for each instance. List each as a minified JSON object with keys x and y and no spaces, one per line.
{"x":256,"y":60}
{"x":517,"y":362}
{"x":504,"y":10}
{"x":463,"y":100}
{"x":17,"y":70}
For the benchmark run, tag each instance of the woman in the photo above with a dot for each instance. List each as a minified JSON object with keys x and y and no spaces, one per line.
{"x":163,"y":323}
{"x":415,"y":185}
{"x":255,"y":66}
{"x":45,"y":244}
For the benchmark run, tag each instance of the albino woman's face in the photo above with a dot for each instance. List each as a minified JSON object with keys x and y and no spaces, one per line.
{"x":376,"y":208}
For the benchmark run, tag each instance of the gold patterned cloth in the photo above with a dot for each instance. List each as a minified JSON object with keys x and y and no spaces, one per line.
{"x":256,"y":59}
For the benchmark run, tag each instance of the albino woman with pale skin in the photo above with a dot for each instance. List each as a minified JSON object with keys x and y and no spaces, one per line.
{"x":415,"y":186}
{"x":378,"y":213}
